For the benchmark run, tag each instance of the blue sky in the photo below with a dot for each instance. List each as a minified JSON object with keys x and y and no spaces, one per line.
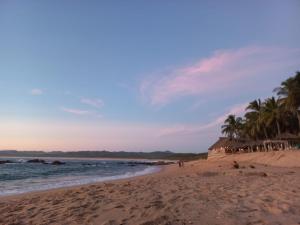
{"x":137,"y":75}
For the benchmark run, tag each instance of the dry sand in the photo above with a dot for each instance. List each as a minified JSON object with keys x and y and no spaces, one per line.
{"x":265,"y":189}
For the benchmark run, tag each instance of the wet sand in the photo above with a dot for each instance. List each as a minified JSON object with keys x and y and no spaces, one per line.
{"x":203,"y":192}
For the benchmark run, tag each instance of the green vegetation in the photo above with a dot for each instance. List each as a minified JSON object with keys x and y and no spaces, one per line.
{"x":270,"y":118}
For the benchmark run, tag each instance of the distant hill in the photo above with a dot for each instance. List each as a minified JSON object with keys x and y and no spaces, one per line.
{"x":167,"y":155}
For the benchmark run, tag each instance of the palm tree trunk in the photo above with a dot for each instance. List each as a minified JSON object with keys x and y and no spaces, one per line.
{"x":278,"y":128}
{"x":266,"y":134}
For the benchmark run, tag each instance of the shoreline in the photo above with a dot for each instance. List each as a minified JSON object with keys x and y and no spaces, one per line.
{"x":116,"y":178}
{"x":202,"y":192}
{"x":161,"y":170}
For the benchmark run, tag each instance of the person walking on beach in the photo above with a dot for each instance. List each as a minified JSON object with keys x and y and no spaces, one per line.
{"x":180,"y":163}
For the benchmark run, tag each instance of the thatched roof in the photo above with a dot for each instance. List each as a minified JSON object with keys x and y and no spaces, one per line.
{"x":225,"y":142}
{"x":288,"y":136}
{"x":235,"y":143}
{"x":220,"y":143}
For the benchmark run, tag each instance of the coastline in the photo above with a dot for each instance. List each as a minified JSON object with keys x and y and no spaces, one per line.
{"x":160,"y":169}
{"x":203,"y":192}
{"x":89,"y":181}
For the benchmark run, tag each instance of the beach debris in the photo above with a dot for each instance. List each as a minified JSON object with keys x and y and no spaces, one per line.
{"x":252,"y":167}
{"x":263,"y":174}
{"x":291,"y":172}
{"x":236,"y":165}
{"x":119,"y":206}
{"x":260,"y":174}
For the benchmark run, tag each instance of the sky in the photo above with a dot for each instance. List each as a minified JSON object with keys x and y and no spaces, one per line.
{"x":137,"y":75}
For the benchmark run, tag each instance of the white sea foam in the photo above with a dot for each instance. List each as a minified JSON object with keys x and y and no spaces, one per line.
{"x":31,"y":185}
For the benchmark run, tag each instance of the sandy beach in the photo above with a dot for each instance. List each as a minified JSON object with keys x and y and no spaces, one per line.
{"x":265,"y":189}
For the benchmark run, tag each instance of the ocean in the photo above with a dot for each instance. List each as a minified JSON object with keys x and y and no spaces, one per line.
{"x":21,"y":176}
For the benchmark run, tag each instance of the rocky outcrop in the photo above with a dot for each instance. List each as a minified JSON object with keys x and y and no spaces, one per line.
{"x":37,"y":161}
{"x":5,"y":161}
{"x":57,"y":162}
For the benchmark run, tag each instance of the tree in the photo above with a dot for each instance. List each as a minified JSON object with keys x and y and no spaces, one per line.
{"x":273,"y":113}
{"x":250,"y":128}
{"x":232,"y":126}
{"x":289,"y":94}
{"x":255,"y":118}
{"x":271,"y":117}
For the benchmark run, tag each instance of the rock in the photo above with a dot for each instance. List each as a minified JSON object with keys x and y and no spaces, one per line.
{"x":236,"y":165}
{"x":132,"y":165}
{"x":37,"y":161}
{"x":263,"y":174}
{"x":57,"y":162}
{"x":252,"y":167}
{"x":260,"y":174}
{"x":5,"y":161}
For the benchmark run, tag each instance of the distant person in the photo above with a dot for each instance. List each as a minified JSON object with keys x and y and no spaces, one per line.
{"x":180,"y":163}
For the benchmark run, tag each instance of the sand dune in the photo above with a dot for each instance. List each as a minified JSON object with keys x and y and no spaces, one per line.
{"x":203,"y":192}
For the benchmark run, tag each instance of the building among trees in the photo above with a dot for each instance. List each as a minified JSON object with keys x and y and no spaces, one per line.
{"x":269,"y":125}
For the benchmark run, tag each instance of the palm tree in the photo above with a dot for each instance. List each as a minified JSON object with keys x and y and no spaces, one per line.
{"x":289,"y":93}
{"x":273,"y":113}
{"x":250,"y":128}
{"x":232,"y":126}
{"x":255,"y":117}
{"x":269,"y":118}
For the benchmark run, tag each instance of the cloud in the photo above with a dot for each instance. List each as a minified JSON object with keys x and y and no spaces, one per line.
{"x":97,"y":103}
{"x":76,"y":111}
{"x":36,"y":91}
{"x":186,"y":129}
{"x":225,"y":70}
{"x":80,"y":112}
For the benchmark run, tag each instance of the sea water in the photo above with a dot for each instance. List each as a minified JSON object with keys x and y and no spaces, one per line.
{"x":22,"y":176}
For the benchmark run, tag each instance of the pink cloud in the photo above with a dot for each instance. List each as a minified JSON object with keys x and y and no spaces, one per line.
{"x":224,"y":70}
